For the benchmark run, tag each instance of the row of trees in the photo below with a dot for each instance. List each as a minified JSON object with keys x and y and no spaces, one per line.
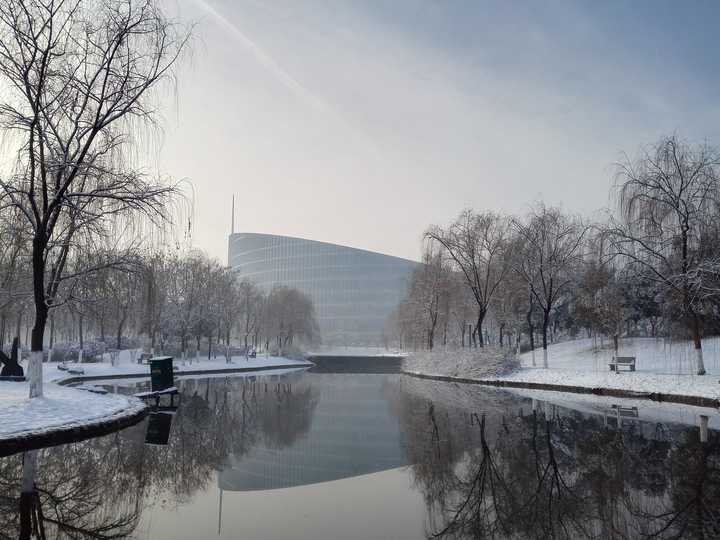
{"x":652,"y":265}
{"x":173,"y":302}
{"x":82,"y":82}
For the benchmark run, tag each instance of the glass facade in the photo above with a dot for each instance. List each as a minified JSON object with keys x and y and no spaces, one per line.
{"x":354,"y":290}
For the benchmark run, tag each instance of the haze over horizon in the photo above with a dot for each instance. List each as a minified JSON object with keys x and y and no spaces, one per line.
{"x":360,"y":123}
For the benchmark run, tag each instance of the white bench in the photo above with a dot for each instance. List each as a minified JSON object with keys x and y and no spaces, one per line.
{"x":622,"y":361}
{"x":629,"y":412}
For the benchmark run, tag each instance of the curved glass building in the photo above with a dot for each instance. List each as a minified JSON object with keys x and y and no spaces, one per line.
{"x":354,"y":290}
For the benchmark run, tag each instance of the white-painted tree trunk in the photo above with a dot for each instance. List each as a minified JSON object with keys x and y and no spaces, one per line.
{"x":545,"y":358}
{"x":183,"y":358}
{"x":50,"y":355}
{"x":703,"y":428}
{"x":197,"y":355}
{"x":29,"y":471}
{"x":34,"y":374}
{"x":80,"y":356}
{"x":699,"y":363}
{"x":533,"y":358}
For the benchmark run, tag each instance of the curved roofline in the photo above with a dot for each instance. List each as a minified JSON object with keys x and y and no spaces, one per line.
{"x":325,"y":243}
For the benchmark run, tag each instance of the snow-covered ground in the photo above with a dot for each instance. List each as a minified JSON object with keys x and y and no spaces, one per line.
{"x":60,"y":407}
{"x":126,"y":365}
{"x":65,"y":407}
{"x":681,"y":385}
{"x":662,"y":366}
{"x":356,"y":351}
{"x":466,"y":396}
{"x":652,"y":355}
{"x":465,"y":363}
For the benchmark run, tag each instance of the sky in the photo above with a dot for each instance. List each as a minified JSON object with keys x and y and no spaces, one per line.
{"x":363,"y":122}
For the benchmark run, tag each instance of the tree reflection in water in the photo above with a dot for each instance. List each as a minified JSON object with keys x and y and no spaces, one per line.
{"x":98,"y":488}
{"x":491,"y":466}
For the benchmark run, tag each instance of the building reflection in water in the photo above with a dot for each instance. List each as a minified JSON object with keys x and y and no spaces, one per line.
{"x":353,"y":432}
{"x":489,"y":464}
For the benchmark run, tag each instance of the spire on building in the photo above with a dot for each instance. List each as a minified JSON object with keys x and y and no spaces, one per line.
{"x":232,"y":220}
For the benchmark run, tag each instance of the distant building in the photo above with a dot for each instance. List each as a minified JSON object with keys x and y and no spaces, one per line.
{"x":354,"y":290}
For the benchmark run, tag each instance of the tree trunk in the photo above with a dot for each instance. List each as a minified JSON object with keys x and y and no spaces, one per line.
{"x":2,"y":330}
{"x":80,"y":331}
{"x":480,"y":319}
{"x":531,"y":328}
{"x":119,"y":334}
{"x":28,"y":494}
{"x":41,"y":314}
{"x":19,"y":326}
{"x":697,"y":342}
{"x":546,"y":322}
{"x":52,"y":338}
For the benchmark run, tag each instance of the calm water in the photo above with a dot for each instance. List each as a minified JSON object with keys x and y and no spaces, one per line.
{"x":334,"y":456}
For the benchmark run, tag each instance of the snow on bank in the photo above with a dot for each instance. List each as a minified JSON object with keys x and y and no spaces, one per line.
{"x":573,"y":363}
{"x":356,"y":351}
{"x":485,"y":400}
{"x":467,"y":363}
{"x":705,"y":386}
{"x":60,"y":408}
{"x":65,"y":408}
{"x":656,"y":355}
{"x":125,"y":366}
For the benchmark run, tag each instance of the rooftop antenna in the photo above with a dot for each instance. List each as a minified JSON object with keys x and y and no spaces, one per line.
{"x":232,"y":221}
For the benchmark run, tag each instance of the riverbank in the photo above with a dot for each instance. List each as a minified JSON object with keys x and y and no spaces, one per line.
{"x":493,"y":367}
{"x":125,"y":368}
{"x":62,"y":414}
{"x":66,"y":414}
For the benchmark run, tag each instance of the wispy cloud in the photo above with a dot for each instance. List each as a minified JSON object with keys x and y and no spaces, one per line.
{"x":267,"y":61}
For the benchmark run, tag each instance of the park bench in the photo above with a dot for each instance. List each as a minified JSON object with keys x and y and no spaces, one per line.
{"x":91,"y":388}
{"x":629,"y":412}
{"x":144,"y":358}
{"x":622,"y":361}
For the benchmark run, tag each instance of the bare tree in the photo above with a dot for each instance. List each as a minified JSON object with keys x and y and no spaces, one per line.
{"x":668,"y":212}
{"x":428,"y":295}
{"x":477,"y":243}
{"x":250,"y":303}
{"x":82,"y":75}
{"x":551,"y":243}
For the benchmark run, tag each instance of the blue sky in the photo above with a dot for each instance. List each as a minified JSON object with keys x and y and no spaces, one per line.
{"x":364,"y":122}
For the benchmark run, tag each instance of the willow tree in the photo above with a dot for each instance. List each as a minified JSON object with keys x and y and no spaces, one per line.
{"x":80,"y":78}
{"x":477,"y":243}
{"x":668,"y":212}
{"x":549,"y":252}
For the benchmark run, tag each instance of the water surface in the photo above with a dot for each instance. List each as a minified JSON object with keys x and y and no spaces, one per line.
{"x":322,"y":455}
